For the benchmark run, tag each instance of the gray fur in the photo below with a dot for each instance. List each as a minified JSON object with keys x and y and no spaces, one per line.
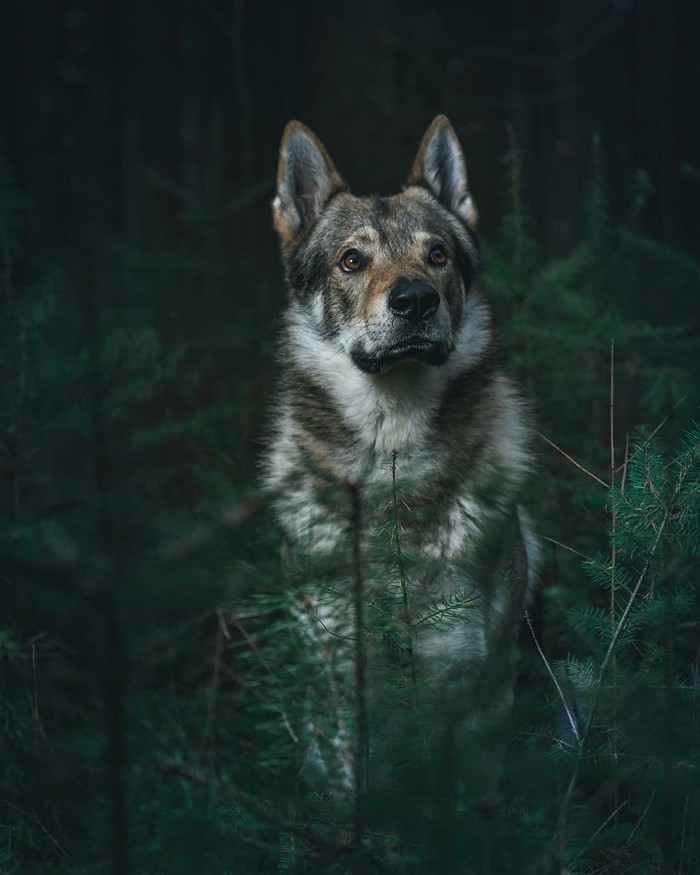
{"x":359,"y":386}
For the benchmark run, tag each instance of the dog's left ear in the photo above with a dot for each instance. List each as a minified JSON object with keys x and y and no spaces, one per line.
{"x":306,"y":179}
{"x":440,"y":167}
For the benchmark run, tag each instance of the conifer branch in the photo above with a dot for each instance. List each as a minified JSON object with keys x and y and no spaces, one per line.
{"x":247,"y":803}
{"x":613,"y":567}
{"x":606,"y":662}
{"x":619,"y":628}
{"x":650,"y":436}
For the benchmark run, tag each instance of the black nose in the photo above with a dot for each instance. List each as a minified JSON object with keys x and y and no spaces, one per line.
{"x":414,"y":300}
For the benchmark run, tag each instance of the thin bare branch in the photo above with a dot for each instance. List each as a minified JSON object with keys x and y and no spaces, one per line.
{"x":607,"y":820}
{"x":572,"y":721}
{"x":573,"y":461}
{"x":565,"y":547}
{"x":641,"y":817}
{"x":651,"y":435}
{"x":625,"y":464}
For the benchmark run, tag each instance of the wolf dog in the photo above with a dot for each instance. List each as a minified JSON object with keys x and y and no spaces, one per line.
{"x":392,"y":400}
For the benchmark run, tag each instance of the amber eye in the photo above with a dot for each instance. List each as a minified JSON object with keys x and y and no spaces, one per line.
{"x":437,"y":256}
{"x":351,"y":261}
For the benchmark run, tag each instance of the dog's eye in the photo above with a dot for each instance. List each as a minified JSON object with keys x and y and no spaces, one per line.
{"x":437,"y":256}
{"x":351,"y":261}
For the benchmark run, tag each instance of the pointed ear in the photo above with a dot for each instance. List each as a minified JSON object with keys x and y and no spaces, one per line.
{"x":306,"y":179}
{"x":440,"y":167}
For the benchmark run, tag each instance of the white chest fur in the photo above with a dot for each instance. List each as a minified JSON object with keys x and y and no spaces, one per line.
{"x":388,"y":412}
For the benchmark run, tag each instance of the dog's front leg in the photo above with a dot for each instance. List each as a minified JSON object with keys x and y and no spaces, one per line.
{"x":330,"y":756}
{"x":469,"y":680}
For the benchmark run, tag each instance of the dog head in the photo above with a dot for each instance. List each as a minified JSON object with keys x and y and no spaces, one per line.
{"x":384,"y":279}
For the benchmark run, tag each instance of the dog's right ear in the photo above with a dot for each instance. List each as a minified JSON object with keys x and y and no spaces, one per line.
{"x":306,"y":179}
{"x":440,"y":167}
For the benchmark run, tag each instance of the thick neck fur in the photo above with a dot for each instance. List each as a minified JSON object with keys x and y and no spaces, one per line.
{"x":352,"y":422}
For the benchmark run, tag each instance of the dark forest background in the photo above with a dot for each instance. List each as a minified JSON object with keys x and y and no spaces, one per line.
{"x":140,"y":282}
